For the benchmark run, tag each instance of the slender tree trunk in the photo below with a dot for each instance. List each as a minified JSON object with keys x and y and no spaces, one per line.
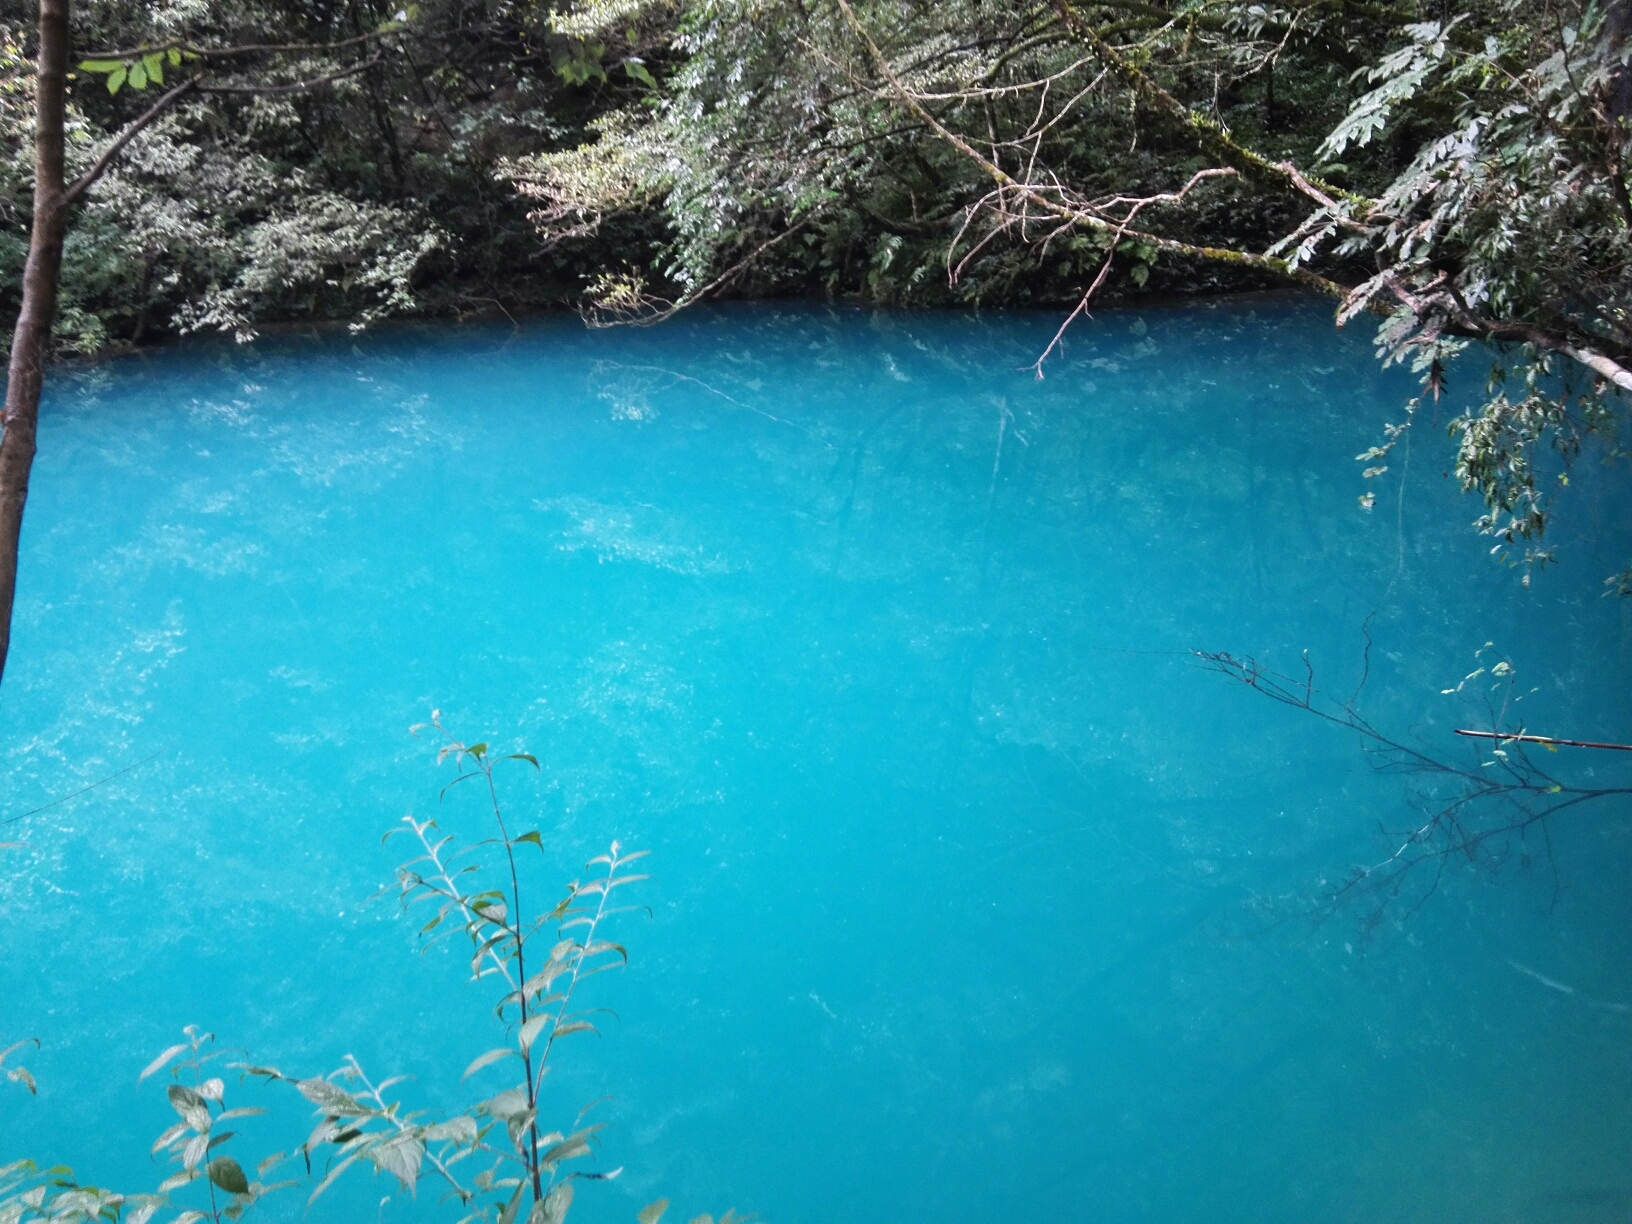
{"x":31,"y":338}
{"x":1618,"y":28}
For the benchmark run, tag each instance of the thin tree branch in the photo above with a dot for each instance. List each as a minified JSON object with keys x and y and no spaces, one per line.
{"x":293,"y":86}
{"x":1032,"y":195}
{"x":1505,"y":737}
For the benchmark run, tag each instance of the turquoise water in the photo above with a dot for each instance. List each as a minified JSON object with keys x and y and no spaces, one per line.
{"x":972,"y":897}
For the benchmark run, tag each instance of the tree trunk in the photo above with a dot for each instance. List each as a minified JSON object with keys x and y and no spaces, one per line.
{"x":31,"y":338}
{"x":1618,"y":28}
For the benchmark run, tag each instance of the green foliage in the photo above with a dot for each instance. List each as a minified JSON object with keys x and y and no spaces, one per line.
{"x":29,"y":1193}
{"x":195,"y":1141}
{"x":138,"y":71}
{"x":496,"y":1156}
{"x":972,"y":152}
{"x":369,"y":196}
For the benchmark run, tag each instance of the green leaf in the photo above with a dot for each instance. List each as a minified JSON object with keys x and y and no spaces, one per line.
{"x":162,"y":1061}
{"x":486,"y":1060}
{"x":100,"y":65}
{"x":190,"y":1106}
{"x":552,"y":1208}
{"x":401,"y":1158}
{"x":116,"y":80}
{"x":530,"y":1031}
{"x":508,"y":1216}
{"x":531,"y":837}
{"x":197,"y":1148}
{"x":637,"y":71}
{"x":138,"y":75}
{"x":335,"y":1100}
{"x":155,"y":67}
{"x":570,"y":1148}
{"x":334,"y":1174}
{"x":524,"y":756}
{"x":653,"y":1212}
{"x":225,"y":1172}
{"x":459,"y":1130}
{"x":175,"y":57}
{"x":509,"y":1104}
{"x":14,"y":1047}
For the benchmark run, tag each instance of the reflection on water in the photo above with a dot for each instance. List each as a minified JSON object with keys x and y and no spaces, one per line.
{"x":960,"y":868}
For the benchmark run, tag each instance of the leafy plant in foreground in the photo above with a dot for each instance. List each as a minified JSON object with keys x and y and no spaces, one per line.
{"x":29,"y":1193}
{"x":516,"y":1161}
{"x":191,"y":1141}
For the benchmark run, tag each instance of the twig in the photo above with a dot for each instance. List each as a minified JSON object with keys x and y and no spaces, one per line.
{"x":132,"y":130}
{"x":1505,"y":737}
{"x":81,"y":791}
{"x":293,"y":86}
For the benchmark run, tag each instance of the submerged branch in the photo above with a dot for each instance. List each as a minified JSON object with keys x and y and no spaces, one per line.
{"x":1500,"y":797}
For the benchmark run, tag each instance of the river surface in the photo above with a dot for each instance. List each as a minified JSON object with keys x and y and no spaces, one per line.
{"x":973,"y":896}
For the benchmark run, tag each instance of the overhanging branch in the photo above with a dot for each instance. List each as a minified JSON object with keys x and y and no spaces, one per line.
{"x":132,"y":130}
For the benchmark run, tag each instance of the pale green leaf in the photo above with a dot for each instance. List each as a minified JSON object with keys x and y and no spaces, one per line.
{"x":162,"y":1061}
{"x":334,"y":1174}
{"x":190,"y":1106}
{"x":487,"y":1060}
{"x":530,"y":1031}
{"x":511,"y":1103}
{"x":570,"y":1148}
{"x":552,"y":1208}
{"x":401,"y":1158}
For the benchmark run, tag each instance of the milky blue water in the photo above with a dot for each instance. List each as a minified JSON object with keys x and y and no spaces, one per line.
{"x":972,"y":898}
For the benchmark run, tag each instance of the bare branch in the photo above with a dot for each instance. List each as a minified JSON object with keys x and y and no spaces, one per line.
{"x":1055,"y":201}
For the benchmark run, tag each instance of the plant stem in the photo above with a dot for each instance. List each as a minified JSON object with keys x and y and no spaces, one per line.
{"x":530,"y":1157}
